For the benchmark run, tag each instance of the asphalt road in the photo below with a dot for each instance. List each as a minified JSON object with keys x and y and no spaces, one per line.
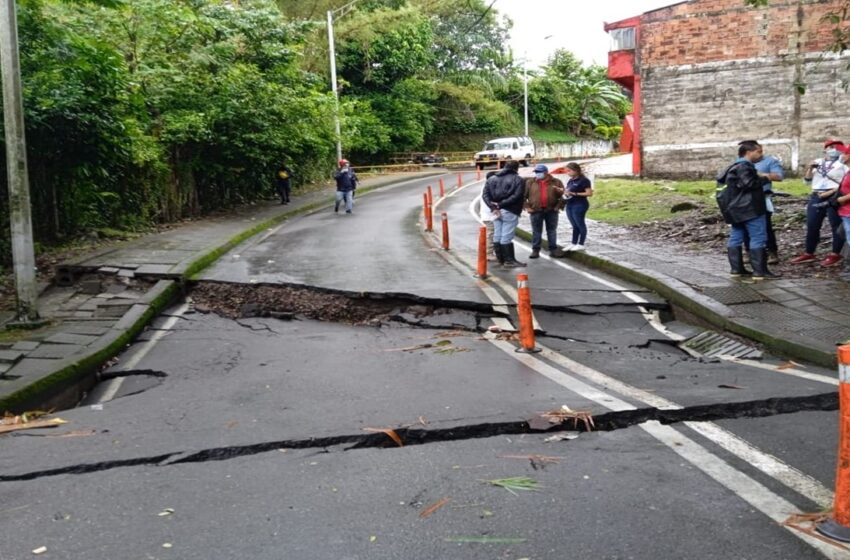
{"x":260,"y":438}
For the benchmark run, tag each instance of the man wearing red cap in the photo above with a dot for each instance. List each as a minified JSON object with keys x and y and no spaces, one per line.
{"x":824,"y":175}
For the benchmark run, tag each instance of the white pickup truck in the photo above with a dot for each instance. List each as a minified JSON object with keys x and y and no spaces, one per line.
{"x":499,"y":150}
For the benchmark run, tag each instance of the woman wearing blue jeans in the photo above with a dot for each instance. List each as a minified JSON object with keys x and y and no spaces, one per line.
{"x":578,"y":191}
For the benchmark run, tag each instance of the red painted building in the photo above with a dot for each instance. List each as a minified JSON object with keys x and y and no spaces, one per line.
{"x":705,"y":74}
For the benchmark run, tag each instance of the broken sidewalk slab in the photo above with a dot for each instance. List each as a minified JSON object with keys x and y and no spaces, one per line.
{"x":68,"y":338}
{"x":10,"y":356}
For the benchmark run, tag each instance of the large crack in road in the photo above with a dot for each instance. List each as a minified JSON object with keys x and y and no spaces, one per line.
{"x":606,"y":422}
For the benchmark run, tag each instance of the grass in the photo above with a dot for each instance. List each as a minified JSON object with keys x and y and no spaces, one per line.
{"x":633,"y":201}
{"x":551,"y":136}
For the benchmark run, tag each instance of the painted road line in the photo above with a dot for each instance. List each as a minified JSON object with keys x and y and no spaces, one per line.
{"x":114,"y":384}
{"x":745,"y":487}
{"x":787,"y":371}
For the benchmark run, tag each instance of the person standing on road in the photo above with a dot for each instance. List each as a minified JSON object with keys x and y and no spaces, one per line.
{"x":543,"y":200}
{"x":503,"y":194}
{"x":770,"y":167}
{"x":842,"y":202}
{"x":282,"y":184}
{"x":744,"y":208}
{"x":578,"y":191}
{"x":346,"y":182}
{"x":824,"y":174}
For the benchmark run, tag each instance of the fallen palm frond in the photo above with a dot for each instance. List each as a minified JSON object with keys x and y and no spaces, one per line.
{"x":433,"y":507}
{"x":516,"y":484}
{"x":26,"y":422}
{"x":390,"y":433}
{"x":561,"y":415}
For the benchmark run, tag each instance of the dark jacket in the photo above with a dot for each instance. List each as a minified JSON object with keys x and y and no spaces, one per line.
{"x":505,"y":191}
{"x":346,"y":179}
{"x":554,"y":194}
{"x":744,"y":196}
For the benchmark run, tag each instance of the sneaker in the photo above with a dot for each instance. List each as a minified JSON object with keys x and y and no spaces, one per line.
{"x":831,"y":259}
{"x":804,"y":258}
{"x":578,"y":248}
{"x":348,"y":211}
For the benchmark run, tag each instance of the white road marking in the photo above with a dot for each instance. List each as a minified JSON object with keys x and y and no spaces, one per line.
{"x":745,"y":487}
{"x":114,"y":384}
{"x":786,"y":371}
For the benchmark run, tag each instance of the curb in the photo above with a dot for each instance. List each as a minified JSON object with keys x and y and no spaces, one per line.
{"x":714,"y":313}
{"x":70,"y":373}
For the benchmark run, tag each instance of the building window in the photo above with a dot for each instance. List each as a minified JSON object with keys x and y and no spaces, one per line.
{"x":622,"y":39}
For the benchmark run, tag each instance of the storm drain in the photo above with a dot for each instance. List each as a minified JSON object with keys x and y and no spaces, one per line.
{"x":710,"y":344}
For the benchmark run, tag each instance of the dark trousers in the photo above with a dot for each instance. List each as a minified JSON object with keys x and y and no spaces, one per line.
{"x":576,"y":214}
{"x":283,"y":191}
{"x":538,"y":219}
{"x":814,"y":221}
{"x":772,"y":246}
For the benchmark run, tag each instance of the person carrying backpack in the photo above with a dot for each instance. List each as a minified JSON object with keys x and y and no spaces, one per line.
{"x":743,"y":206}
{"x":282,"y":182}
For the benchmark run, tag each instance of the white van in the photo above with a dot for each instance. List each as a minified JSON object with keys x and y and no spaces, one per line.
{"x":499,"y":150}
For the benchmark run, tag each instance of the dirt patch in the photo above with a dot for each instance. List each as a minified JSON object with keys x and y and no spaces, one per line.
{"x":702,"y":231}
{"x":285,"y":302}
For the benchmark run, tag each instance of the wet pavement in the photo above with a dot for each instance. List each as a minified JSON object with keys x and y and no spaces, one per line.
{"x":274,"y":436}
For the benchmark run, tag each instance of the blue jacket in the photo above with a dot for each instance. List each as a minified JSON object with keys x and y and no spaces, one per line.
{"x":346,"y":179}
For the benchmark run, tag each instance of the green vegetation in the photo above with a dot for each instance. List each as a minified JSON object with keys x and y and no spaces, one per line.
{"x":632,"y":201}
{"x":148,"y":111}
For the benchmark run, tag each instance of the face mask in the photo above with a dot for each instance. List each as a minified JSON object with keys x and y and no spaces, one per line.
{"x":832,"y":153}
{"x":540,"y":175}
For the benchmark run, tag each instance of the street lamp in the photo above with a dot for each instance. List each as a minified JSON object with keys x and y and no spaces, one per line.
{"x":525,"y":84}
{"x":332,"y":56}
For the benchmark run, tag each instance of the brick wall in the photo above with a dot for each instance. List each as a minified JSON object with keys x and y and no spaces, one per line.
{"x":713,"y":73}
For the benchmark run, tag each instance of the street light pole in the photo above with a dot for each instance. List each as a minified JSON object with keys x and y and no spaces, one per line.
{"x":20,"y":216}
{"x":334,"y":85}
{"x":525,"y":92}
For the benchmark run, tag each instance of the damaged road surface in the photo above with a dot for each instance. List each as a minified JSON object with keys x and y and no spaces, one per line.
{"x":271,"y":419}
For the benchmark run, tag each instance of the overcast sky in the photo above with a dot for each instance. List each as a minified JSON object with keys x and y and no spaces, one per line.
{"x":575,"y":25}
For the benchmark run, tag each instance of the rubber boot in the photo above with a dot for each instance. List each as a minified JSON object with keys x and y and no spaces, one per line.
{"x":497,"y":250}
{"x":759,"y":259}
{"x":535,"y":253}
{"x":510,"y":258}
{"x":736,"y":262}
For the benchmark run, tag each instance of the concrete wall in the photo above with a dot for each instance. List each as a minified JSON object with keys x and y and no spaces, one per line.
{"x":576,"y":149}
{"x":714,"y":73}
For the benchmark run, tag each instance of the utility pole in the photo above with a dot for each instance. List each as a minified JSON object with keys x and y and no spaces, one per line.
{"x":20,"y":216}
{"x":525,"y":92}
{"x":333,"y":84}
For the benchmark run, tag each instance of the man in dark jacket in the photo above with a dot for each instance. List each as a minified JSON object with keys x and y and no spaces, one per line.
{"x":744,"y":208}
{"x":503,"y":194}
{"x":346,"y":182}
{"x":282,"y":185}
{"x":543,"y":201}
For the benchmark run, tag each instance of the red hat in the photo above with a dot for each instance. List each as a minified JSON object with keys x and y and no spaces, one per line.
{"x":343,"y":162}
{"x":843,"y":149}
{"x":831,"y":142}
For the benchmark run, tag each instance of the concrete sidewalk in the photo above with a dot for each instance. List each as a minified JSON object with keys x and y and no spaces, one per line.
{"x":102,"y":300}
{"x":798,"y":318}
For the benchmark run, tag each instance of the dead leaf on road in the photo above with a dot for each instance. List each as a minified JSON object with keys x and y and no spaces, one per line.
{"x":433,"y":507}
{"x":389,"y":432}
{"x":788,"y":365}
{"x":52,"y":423}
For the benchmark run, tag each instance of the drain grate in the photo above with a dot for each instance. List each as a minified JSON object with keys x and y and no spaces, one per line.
{"x":713,"y":345}
{"x":732,"y":295}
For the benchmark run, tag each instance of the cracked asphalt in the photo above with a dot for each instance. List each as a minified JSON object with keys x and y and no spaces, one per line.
{"x":254,"y":437}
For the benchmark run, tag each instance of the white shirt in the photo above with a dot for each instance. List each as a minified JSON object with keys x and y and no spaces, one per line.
{"x":827,"y":175}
